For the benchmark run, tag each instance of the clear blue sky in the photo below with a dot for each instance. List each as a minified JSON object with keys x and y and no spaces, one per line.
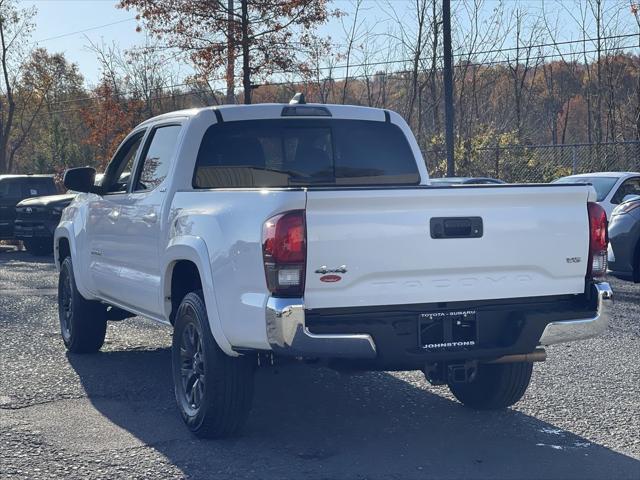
{"x":60,"y":18}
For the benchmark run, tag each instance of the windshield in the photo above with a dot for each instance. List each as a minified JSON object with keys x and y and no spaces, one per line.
{"x":603,"y":185}
{"x":304,"y":152}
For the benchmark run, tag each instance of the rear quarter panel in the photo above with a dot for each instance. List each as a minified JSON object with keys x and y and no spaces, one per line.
{"x":230,"y":224}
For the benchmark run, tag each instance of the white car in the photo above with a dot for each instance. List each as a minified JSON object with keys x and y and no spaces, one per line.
{"x":613,"y":188}
{"x":310,"y":231}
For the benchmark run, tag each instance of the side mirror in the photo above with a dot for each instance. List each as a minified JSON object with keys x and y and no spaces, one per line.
{"x":629,"y":197}
{"x":81,"y":179}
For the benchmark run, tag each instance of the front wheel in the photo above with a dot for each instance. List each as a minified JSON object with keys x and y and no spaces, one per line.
{"x":83,"y":323}
{"x":495,"y":386}
{"x":214,"y":391}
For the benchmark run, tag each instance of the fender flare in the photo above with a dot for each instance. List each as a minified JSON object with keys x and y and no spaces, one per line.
{"x":65,"y":231}
{"x":193,"y":249}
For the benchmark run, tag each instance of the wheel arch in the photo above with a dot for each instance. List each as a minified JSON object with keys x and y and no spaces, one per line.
{"x":185,"y":256}
{"x":63,"y":245}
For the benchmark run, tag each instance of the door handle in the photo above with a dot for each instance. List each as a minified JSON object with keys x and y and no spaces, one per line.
{"x":456,"y":227}
{"x":150,"y":218}
{"x":113,"y":215}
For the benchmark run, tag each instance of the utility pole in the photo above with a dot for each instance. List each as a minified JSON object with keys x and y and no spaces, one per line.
{"x":448,"y":86}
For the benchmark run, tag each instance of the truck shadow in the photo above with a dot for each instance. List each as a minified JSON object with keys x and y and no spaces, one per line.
{"x":312,"y":422}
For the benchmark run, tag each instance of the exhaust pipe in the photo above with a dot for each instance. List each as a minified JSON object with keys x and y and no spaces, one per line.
{"x":538,"y":355}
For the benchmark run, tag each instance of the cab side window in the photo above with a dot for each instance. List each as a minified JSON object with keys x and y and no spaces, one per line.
{"x":629,"y":187}
{"x":10,"y":189}
{"x":118,"y":173}
{"x":157,"y":157}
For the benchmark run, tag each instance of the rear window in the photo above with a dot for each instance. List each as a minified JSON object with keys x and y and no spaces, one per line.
{"x":603,"y":185}
{"x":304,"y":152}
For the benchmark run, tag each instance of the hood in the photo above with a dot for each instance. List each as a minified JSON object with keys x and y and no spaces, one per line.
{"x":48,"y":201}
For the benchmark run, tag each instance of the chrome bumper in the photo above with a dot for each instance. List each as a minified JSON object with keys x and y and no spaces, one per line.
{"x":570,"y":330}
{"x":288,"y":334}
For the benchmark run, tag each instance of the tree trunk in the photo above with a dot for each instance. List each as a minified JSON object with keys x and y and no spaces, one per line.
{"x":246,"y":71}
{"x":434,"y":71}
{"x":231,"y":54}
{"x":599,"y":72}
{"x":6,"y":124}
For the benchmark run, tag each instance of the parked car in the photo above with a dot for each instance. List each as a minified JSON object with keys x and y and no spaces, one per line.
{"x":13,"y":189}
{"x":446,"y":181}
{"x":624,"y":235}
{"x":310,"y":231}
{"x":613,"y":188}
{"x":37,"y":219}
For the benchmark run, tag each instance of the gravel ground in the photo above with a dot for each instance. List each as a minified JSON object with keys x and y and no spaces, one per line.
{"x":112,"y":415}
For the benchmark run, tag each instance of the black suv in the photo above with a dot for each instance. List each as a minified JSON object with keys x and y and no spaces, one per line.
{"x":37,"y":219}
{"x":13,"y":189}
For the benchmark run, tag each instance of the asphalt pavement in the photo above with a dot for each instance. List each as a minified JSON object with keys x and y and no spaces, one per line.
{"x":113,"y":415}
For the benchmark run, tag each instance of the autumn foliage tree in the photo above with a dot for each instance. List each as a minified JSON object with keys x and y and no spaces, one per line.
{"x":108,"y":119}
{"x":265,"y":35}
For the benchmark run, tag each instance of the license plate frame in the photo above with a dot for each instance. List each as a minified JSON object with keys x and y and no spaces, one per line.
{"x":448,"y":330}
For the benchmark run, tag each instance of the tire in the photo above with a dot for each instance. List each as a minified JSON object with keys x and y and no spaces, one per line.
{"x":39,"y":247}
{"x":214,"y":391}
{"x":636,"y":266}
{"x":83,"y":323}
{"x":495,"y":386}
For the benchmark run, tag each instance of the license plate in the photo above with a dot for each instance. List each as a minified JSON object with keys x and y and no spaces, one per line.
{"x":448,"y":330}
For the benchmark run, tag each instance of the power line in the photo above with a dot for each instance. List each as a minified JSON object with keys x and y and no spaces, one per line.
{"x":380,"y":63}
{"x":290,"y":82}
{"x":459,"y":66}
{"x":97,"y":27}
{"x":471,"y":54}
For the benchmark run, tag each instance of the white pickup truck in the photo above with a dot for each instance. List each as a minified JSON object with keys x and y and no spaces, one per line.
{"x":311,"y":231}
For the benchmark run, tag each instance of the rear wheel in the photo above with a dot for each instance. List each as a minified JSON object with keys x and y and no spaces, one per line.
{"x":214,"y":391}
{"x":495,"y":386}
{"x":83,"y":323}
{"x":39,"y":246}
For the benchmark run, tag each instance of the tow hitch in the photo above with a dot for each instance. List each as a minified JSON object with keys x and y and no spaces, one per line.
{"x":447,"y":373}
{"x":443,"y":374}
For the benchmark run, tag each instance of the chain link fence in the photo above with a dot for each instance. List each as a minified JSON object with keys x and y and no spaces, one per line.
{"x":537,"y":163}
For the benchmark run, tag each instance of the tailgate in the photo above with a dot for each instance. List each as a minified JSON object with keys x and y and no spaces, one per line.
{"x":533,"y":241}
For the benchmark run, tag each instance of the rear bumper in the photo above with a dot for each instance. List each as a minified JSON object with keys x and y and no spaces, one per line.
{"x":289,"y":335}
{"x":570,"y":330}
{"x":388,"y":339}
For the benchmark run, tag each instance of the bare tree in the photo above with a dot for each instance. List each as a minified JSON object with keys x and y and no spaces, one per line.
{"x":15,"y":28}
{"x":523,"y":62}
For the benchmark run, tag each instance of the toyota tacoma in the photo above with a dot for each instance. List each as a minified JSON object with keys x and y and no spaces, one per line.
{"x":311,"y":232}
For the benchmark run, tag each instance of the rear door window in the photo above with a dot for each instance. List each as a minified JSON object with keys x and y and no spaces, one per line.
{"x":157,"y":157}
{"x":304,"y":152}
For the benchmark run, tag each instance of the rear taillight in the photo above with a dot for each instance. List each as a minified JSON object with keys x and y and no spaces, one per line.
{"x":598,"y":240}
{"x":284,"y":251}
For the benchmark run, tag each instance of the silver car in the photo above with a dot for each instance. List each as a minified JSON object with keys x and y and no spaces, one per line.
{"x":612,"y":188}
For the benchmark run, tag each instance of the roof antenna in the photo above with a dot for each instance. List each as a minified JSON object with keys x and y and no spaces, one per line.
{"x":298,"y":99}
